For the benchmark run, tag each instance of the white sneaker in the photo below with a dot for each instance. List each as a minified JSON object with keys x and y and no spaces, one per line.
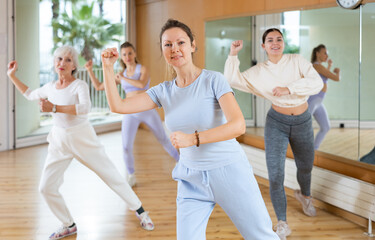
{"x":145,"y":221}
{"x":307,"y":204}
{"x":282,"y":230}
{"x":63,"y":232}
{"x":131,"y":180}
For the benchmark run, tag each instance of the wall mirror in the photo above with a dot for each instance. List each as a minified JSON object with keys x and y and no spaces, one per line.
{"x":348,"y":37}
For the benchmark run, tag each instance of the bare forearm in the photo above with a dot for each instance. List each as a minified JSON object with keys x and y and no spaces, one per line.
{"x":113,"y":97}
{"x":337,"y":77}
{"x":97,"y":85}
{"x":19,"y":85}
{"x":224,"y":132}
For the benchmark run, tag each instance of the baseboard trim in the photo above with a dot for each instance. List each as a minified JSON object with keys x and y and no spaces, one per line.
{"x":361,"y":221}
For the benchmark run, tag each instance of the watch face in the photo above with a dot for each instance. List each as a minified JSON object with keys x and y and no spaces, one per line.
{"x":350,"y":4}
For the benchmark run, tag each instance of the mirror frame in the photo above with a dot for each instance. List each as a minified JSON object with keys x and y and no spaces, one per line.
{"x":347,"y":167}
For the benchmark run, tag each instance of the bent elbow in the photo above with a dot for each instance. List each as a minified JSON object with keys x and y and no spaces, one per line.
{"x":240,"y":128}
{"x":82,"y":109}
{"x":100,"y":87}
{"x":113,"y":108}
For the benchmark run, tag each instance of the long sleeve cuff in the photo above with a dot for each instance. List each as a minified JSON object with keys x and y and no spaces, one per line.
{"x":83,"y":108}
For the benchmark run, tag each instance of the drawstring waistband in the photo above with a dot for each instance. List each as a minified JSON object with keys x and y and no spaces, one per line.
{"x":205,"y":178}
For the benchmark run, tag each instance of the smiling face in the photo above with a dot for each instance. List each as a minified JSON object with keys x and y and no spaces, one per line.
{"x":64,"y":64}
{"x":273,"y":44}
{"x":128,"y":55}
{"x":322,"y":55}
{"x":177,"y":47}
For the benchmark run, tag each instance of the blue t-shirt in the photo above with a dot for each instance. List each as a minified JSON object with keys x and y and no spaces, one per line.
{"x":196,"y":107}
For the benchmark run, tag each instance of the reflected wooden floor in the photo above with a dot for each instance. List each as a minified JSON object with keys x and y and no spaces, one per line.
{"x":101,"y":215}
{"x":342,"y":142}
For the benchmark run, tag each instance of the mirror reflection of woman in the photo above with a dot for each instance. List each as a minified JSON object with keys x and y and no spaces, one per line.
{"x":134,"y":79}
{"x":319,"y":55}
{"x":72,"y":136}
{"x":287,"y":80}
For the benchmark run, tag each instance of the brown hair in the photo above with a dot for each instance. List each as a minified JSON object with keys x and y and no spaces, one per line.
{"x":268,"y":31}
{"x":172,"y":23}
{"x":315,"y":50}
{"x":126,"y":45}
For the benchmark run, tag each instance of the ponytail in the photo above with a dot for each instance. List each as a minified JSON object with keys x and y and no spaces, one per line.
{"x":315,"y":50}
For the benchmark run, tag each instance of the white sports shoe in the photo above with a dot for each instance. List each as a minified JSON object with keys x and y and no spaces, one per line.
{"x":307,"y":204}
{"x":145,"y":221}
{"x":63,"y":232}
{"x":131,"y":180}
{"x":282,"y":230}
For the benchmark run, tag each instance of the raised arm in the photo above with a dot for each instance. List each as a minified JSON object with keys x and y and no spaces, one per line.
{"x":329,"y":61}
{"x":234,"y":127}
{"x":237,"y":79}
{"x":138,"y":103}
{"x":42,"y":93}
{"x":335,"y":75}
{"x":39,"y":93}
{"x":12,"y":68}
{"x":99,"y":86}
{"x":141,"y":83}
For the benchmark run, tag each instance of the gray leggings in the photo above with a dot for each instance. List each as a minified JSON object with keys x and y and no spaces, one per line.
{"x":279,"y":131}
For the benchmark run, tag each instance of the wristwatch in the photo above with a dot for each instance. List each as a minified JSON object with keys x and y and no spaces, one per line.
{"x":54,"y":108}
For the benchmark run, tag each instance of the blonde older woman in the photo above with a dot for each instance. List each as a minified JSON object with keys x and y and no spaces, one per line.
{"x":72,"y":136}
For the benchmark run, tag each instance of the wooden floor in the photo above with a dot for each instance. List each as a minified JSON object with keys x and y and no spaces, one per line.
{"x":101,"y":215}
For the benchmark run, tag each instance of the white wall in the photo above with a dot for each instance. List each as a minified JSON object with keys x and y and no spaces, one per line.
{"x":7,"y":54}
{"x":5,"y":42}
{"x":27,"y":56}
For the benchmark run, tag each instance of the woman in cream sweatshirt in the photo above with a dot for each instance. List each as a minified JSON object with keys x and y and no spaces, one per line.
{"x":287,"y":80}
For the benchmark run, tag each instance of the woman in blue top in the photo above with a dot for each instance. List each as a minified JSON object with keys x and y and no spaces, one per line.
{"x":316,"y":107}
{"x":204,"y":118}
{"x":134,"y":79}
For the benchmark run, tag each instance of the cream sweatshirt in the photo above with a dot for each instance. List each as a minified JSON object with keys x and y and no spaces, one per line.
{"x":292,"y":71}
